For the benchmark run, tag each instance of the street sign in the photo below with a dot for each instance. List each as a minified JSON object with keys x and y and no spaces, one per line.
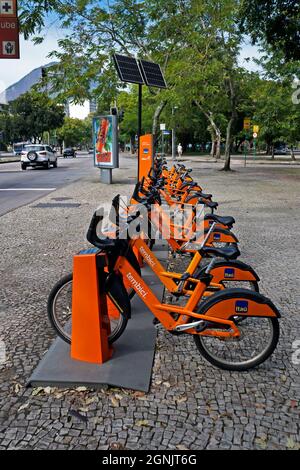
{"x":162,"y":127}
{"x":255,"y":135}
{"x":167,"y":132}
{"x":247,"y":123}
{"x":256,"y":129}
{"x":9,"y":39}
{"x":9,"y":30}
{"x":8,"y":8}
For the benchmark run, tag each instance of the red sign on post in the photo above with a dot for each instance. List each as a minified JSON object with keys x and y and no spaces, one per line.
{"x":9,"y":30}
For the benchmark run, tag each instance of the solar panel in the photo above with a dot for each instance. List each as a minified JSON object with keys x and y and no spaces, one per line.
{"x":152,"y":74}
{"x":128,"y":69}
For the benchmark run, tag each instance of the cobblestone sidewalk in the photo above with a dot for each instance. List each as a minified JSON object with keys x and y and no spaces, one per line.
{"x":191,"y":405}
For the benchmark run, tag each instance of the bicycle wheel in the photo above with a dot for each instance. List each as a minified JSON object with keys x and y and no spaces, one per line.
{"x":60,"y":309}
{"x":259,"y":334}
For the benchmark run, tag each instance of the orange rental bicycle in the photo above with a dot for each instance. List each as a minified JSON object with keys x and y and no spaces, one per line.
{"x":234,"y":329}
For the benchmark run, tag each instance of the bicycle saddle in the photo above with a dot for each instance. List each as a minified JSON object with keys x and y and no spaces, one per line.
{"x":229,"y":221}
{"x":203,"y":195}
{"x":210,"y":204}
{"x":230,"y":253}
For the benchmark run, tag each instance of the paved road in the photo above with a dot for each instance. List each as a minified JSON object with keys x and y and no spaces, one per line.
{"x":18,"y":188}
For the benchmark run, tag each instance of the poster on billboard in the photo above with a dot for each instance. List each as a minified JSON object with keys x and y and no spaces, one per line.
{"x":105,"y":142}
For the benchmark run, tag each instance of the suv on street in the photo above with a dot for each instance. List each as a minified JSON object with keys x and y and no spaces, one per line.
{"x":38,"y":155}
{"x":69,"y":152}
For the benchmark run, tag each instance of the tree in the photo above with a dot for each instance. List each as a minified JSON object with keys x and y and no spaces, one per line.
{"x":277,"y":116}
{"x":32,"y":15}
{"x":75,"y":132}
{"x":32,"y":114}
{"x":275,"y":22}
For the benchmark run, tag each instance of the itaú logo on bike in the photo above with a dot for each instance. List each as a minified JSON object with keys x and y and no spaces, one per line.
{"x":241,"y":306}
{"x":147,"y":257}
{"x":137,"y":285}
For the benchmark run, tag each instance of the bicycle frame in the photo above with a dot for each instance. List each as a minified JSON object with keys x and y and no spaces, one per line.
{"x":163,"y":312}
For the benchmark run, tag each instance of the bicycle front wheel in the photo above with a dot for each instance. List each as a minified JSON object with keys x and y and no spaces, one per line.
{"x":60,"y":310}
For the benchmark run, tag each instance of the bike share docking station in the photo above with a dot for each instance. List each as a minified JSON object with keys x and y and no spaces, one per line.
{"x":91,"y":361}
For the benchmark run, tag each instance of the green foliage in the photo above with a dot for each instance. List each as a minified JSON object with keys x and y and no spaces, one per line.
{"x":32,"y":15}
{"x":276,"y":22}
{"x":31,"y":115}
{"x":75,"y":132}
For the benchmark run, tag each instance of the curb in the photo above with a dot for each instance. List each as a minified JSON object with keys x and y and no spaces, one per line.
{"x":9,"y":160}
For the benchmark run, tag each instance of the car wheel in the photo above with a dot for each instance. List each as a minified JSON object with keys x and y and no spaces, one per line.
{"x":48,"y":165}
{"x":23,"y":166}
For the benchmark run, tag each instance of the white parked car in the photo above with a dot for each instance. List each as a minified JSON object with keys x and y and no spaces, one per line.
{"x":38,"y":155}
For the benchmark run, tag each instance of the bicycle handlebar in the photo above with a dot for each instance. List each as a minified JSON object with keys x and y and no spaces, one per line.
{"x":92,"y":236}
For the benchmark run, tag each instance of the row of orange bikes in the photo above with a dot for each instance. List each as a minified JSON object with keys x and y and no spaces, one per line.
{"x":216,"y":299}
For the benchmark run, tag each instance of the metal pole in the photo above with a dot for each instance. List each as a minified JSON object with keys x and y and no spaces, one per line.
{"x":140,"y":110}
{"x":173,"y":144}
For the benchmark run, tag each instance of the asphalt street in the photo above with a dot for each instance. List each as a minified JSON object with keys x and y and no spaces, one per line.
{"x":18,"y":188}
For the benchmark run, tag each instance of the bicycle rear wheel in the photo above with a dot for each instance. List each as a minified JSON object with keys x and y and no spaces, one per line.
{"x":259,"y":334}
{"x":60,"y":309}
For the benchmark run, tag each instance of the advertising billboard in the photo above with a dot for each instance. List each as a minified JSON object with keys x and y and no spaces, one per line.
{"x":105,"y":142}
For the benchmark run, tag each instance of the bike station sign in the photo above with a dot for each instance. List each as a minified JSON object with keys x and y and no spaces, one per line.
{"x":9,"y":30}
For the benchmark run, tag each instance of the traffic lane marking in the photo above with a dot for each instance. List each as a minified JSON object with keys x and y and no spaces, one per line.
{"x":28,"y":189}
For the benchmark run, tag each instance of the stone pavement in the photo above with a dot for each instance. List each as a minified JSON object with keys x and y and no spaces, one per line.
{"x":191,"y":405}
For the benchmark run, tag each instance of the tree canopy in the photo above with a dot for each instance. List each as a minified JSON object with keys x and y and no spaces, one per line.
{"x":198,"y":45}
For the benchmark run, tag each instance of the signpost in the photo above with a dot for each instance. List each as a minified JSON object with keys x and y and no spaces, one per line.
{"x":255,"y":135}
{"x":163,"y":130}
{"x":9,"y":30}
{"x":247,"y":124}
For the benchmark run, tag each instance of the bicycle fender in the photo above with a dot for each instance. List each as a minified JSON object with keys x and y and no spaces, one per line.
{"x":238,"y":302}
{"x":231,"y":271}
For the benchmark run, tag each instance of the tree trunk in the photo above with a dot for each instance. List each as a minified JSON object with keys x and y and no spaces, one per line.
{"x":228,"y":145}
{"x":218,"y":149}
{"x":233,"y":100}
{"x":156,"y":117}
{"x":132,"y":142}
{"x":216,"y":141}
{"x":213,"y":144}
{"x":272,"y":151}
{"x":293,"y":153}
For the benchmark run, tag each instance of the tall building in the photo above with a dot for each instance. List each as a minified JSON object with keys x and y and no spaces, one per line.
{"x":32,"y":78}
{"x":22,"y":86}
